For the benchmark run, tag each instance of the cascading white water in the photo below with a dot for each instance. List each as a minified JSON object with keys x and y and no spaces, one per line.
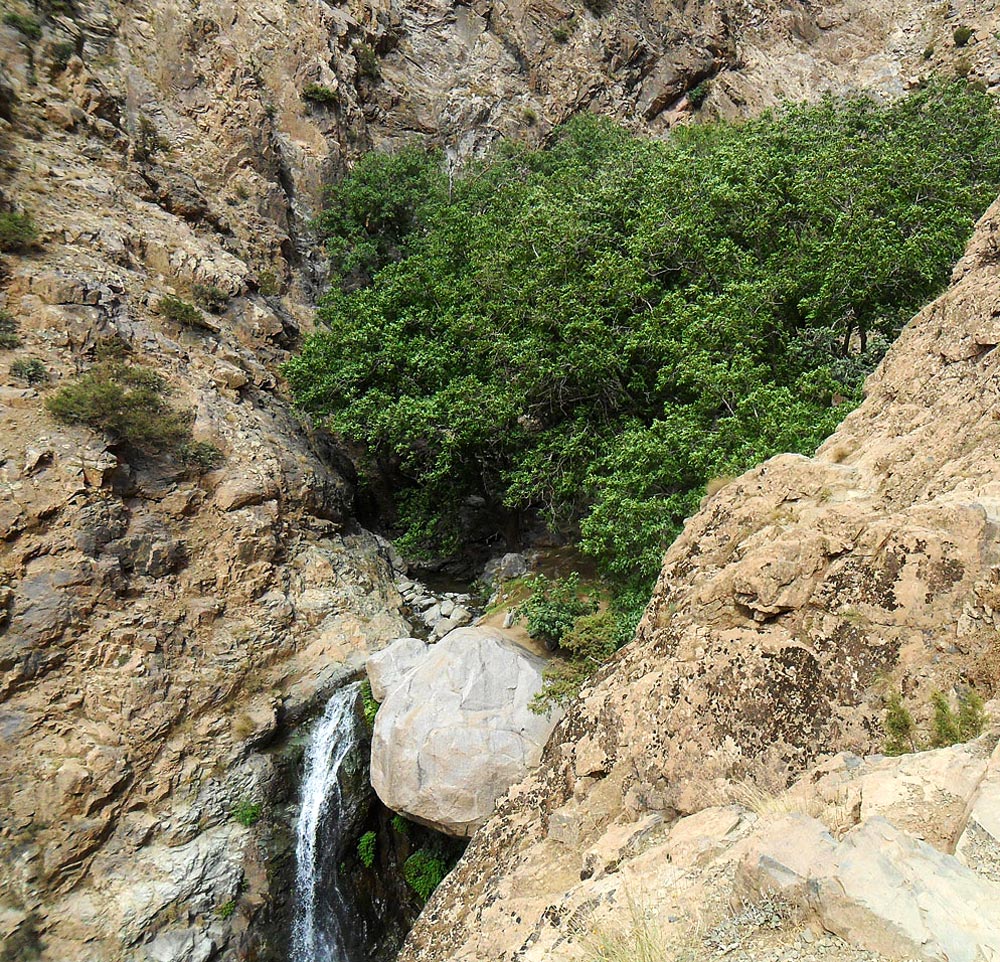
{"x":320,"y":910}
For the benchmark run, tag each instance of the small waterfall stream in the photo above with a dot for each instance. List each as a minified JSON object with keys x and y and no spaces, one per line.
{"x":321,"y":914}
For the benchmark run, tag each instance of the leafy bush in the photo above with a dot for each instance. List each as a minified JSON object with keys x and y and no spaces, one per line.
{"x":247,"y":813}
{"x":587,"y":333}
{"x":8,"y":331}
{"x":423,"y":872}
{"x":400,"y":825}
{"x":319,"y":93}
{"x":30,"y":369}
{"x":125,"y":401}
{"x":24,"y":23}
{"x":962,"y":35}
{"x":560,"y":34}
{"x":61,"y":53}
{"x":553,"y":608}
{"x":366,"y":849}
{"x":179,"y":311}
{"x":227,"y":909}
{"x":17,"y":231}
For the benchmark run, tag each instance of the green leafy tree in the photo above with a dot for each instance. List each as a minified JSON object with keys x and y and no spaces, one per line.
{"x":588,"y":332}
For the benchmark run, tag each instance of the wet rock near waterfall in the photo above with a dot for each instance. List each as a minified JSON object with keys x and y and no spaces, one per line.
{"x":458,"y":732}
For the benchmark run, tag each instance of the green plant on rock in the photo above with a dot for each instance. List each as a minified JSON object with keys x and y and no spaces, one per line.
{"x":553,"y":608}
{"x":25,"y":24}
{"x":17,"y":231}
{"x":32,"y":370}
{"x":400,"y":824}
{"x":179,"y":311}
{"x":201,"y":456}
{"x":423,"y":872}
{"x":247,"y":813}
{"x":949,"y":727}
{"x":210,"y":297}
{"x":147,"y":142}
{"x":560,"y":34}
{"x":698,"y":95}
{"x":9,"y":338}
{"x":900,"y":731}
{"x":368,"y":703}
{"x":962,"y":35}
{"x":227,"y":909}
{"x":366,"y":849}
{"x":367,"y":61}
{"x":126,"y":401}
{"x":319,"y":93}
{"x":268,"y":283}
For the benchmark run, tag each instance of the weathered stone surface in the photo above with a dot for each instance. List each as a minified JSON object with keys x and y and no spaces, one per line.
{"x":978,"y":846}
{"x":393,"y":664}
{"x":879,"y":889}
{"x":457,"y":732}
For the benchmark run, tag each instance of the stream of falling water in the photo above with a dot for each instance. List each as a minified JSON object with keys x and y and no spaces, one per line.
{"x":318,"y":927}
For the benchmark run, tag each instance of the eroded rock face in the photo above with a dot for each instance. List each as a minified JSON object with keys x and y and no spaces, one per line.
{"x":788,"y":602}
{"x":457,"y":732}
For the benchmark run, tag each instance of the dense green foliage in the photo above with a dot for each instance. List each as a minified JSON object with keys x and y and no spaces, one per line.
{"x":368,"y":703}
{"x":17,"y":231}
{"x":591,"y":331}
{"x":126,"y":401}
{"x":247,"y":813}
{"x":366,"y":849}
{"x":423,"y":872}
{"x":553,"y":607}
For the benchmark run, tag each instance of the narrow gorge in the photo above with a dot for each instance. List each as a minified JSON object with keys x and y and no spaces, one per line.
{"x":246,"y":715}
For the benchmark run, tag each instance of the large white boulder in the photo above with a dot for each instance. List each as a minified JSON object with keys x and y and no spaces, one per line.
{"x":388,"y":667}
{"x":457,"y":732}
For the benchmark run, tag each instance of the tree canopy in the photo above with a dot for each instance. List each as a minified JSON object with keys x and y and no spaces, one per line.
{"x":592,"y":330}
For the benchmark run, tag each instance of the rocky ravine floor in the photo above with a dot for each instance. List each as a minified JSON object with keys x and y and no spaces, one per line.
{"x":796,"y":598}
{"x":160,"y":628}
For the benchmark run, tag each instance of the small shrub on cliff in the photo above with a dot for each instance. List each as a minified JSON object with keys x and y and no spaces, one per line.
{"x":210,"y":297}
{"x":400,"y":824}
{"x":698,"y":95}
{"x":949,"y":727}
{"x":147,"y":142}
{"x":962,"y":35}
{"x":227,"y":909}
{"x":367,"y":61}
{"x":126,"y":401}
{"x":179,"y":311}
{"x":201,"y":456}
{"x":900,"y":732}
{"x":366,"y":849}
{"x":247,"y":813}
{"x":319,"y":93}
{"x":24,"y":24}
{"x":423,"y":872}
{"x":31,"y":370}
{"x":17,"y":231}
{"x":9,"y":338}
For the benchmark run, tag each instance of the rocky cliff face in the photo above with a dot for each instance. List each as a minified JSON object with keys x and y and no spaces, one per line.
{"x":161,"y":628}
{"x":798,"y":596}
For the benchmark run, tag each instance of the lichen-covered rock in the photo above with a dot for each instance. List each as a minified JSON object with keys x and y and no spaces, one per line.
{"x":458,"y":730}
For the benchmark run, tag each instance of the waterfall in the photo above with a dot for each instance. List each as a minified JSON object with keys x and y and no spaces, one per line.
{"x":318,"y":927}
